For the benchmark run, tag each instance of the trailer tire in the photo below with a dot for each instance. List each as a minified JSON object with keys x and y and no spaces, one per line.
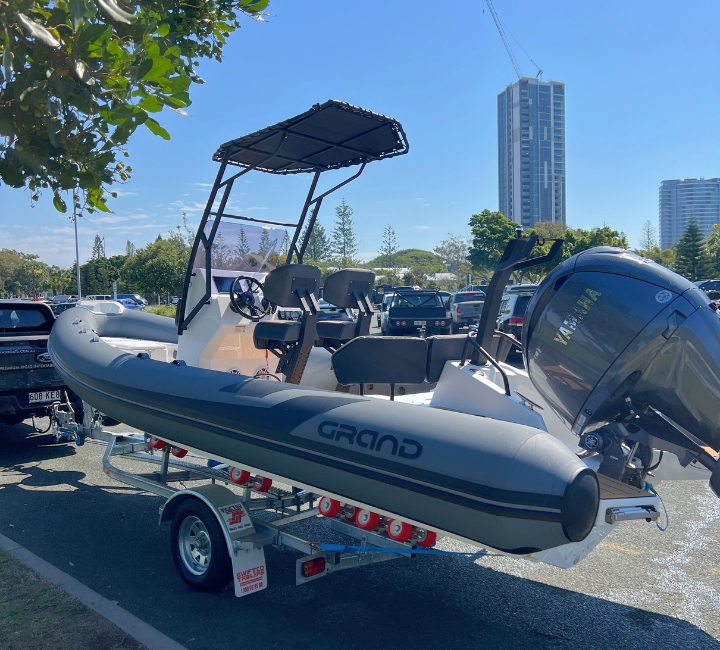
{"x":199,"y":548}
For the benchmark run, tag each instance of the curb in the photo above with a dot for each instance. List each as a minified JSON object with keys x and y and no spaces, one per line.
{"x":139,"y":630}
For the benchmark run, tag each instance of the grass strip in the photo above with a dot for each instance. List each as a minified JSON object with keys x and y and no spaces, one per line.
{"x":36,"y":615}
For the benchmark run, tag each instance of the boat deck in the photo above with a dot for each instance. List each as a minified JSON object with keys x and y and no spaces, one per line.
{"x":612,"y":489}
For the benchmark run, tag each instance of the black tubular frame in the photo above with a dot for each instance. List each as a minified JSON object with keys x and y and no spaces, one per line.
{"x":516,"y":256}
{"x":242,"y":151}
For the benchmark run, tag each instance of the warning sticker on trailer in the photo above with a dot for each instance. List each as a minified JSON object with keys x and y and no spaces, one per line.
{"x":236,"y":517}
{"x":249,"y":573}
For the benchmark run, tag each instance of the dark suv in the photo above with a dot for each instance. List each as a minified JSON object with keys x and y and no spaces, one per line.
{"x":29,"y":383}
{"x":512,"y":313}
{"x":710,"y":287}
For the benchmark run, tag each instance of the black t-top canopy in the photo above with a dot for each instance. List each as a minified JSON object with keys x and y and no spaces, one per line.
{"x":328,"y":136}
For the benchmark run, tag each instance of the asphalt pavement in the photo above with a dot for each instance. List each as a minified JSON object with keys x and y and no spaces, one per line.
{"x":640,"y":589}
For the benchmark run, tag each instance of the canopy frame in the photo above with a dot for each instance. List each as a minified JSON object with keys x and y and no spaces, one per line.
{"x":329,"y":136}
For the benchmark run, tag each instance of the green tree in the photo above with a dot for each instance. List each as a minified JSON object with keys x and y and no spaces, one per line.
{"x":453,"y":251}
{"x":712,"y":244}
{"x":648,"y":236}
{"x":656,"y":254}
{"x":96,"y":277}
{"x":344,"y":243}
{"x":58,"y":279}
{"x":318,"y":248}
{"x":491,"y":231}
{"x":31,"y":277}
{"x":10,"y":262}
{"x":158,"y":269}
{"x":413,"y":258}
{"x":242,"y":247}
{"x":388,"y":247}
{"x":98,"y":249}
{"x":691,"y":256}
{"x":78,"y":77}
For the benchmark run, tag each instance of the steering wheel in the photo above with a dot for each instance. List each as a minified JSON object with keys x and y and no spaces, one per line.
{"x":244,"y":299}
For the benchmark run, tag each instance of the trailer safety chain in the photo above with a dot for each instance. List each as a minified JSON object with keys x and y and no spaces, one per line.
{"x":50,"y":417}
{"x":650,"y":488}
{"x":340,"y":548}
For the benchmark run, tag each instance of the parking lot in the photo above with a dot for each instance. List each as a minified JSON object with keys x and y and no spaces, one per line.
{"x":640,"y":589}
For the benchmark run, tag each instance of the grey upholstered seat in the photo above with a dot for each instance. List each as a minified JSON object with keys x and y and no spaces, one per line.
{"x":381,"y":360}
{"x":347,"y":289}
{"x":284,"y":331}
{"x":337,"y":330}
{"x":443,"y":348}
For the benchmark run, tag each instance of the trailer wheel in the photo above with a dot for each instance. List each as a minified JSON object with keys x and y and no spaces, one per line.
{"x":262,"y":483}
{"x":239,"y":476}
{"x":198,"y":547}
{"x":425,"y":538}
{"x":328,"y":507}
{"x":399,"y":530}
{"x":367,"y":520}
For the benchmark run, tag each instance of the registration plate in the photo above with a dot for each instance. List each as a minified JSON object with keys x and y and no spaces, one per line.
{"x":44,"y":396}
{"x":419,"y":322}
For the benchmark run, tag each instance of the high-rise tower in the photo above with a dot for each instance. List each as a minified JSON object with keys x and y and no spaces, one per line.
{"x":531,"y":151}
{"x":682,"y":200}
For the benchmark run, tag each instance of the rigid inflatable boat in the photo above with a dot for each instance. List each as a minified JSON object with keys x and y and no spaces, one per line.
{"x":500,"y":484}
{"x":620,"y":355}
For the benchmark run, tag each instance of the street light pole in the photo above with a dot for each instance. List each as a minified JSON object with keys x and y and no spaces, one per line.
{"x":77,"y":250}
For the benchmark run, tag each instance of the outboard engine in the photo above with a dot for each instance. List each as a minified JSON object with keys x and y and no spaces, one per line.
{"x":628,"y":353}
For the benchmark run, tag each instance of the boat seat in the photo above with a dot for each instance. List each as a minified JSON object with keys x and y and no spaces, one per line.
{"x":269,"y":333}
{"x":347,"y":289}
{"x":294,"y":286}
{"x":336,"y":330}
{"x":381,"y":360}
{"x":441,"y":349}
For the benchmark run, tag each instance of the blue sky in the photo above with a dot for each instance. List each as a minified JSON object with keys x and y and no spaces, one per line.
{"x":642,"y":106}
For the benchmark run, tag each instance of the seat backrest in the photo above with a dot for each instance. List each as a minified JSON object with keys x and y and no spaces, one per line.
{"x":284,"y":284}
{"x":381,"y":360}
{"x":443,"y":348}
{"x":340,"y":286}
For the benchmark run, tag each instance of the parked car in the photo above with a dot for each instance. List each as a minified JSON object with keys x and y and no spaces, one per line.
{"x":60,"y":307}
{"x":387,"y":297}
{"x":466,"y":308}
{"x":408,"y":312}
{"x":129,"y":303}
{"x":133,"y":296}
{"x":29,"y":383}
{"x":99,"y":297}
{"x":521,"y":288}
{"x":331,"y":312}
{"x":62,"y":298}
{"x":710,"y":287}
{"x":512,"y":313}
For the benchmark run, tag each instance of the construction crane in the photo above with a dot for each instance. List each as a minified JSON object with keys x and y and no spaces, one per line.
{"x":508,"y":49}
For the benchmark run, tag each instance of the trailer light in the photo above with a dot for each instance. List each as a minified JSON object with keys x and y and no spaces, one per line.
{"x":442,"y":322}
{"x":437,"y":322}
{"x":516,"y":320}
{"x":404,"y":323}
{"x":313,"y":567}
{"x":397,"y":323}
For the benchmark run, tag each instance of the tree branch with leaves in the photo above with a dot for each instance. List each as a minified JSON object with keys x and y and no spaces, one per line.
{"x":78,"y":77}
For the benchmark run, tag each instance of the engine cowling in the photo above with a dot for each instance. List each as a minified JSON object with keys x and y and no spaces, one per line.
{"x":609,"y":334}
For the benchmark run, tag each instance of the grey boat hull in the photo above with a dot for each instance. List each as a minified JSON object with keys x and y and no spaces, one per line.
{"x":500,"y":484}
